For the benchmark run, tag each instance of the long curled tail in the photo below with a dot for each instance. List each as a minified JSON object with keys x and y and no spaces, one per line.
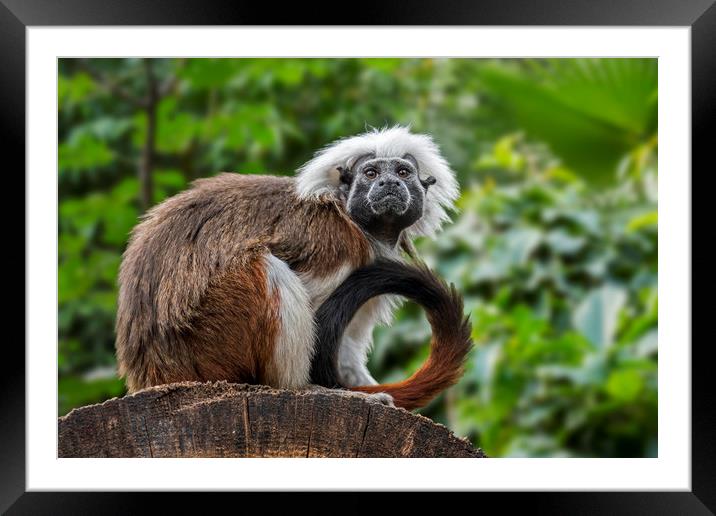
{"x":451,"y":330}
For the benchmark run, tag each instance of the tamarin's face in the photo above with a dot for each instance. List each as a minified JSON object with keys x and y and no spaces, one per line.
{"x":385,"y":195}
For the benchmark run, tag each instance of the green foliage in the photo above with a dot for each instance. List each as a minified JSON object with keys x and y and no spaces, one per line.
{"x":554,"y":246}
{"x":562,"y":297}
{"x":590,"y":111}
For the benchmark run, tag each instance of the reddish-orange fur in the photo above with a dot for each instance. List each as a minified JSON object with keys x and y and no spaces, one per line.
{"x":444,"y":367}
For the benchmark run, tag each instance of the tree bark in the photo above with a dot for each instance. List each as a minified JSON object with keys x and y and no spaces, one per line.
{"x":221,"y":419}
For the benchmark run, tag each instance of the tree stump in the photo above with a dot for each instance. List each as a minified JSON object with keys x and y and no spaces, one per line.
{"x":235,"y":420}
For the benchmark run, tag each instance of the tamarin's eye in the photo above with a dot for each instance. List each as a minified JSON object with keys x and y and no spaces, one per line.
{"x":403,"y":172}
{"x":370,"y":173}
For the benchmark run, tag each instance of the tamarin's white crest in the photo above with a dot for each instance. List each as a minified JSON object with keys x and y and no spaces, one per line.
{"x":280,"y":281}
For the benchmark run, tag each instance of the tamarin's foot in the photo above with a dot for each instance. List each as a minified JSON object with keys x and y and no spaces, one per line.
{"x":382,"y":398}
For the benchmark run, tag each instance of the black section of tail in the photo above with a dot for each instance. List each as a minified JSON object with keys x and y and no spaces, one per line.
{"x":451,"y":331}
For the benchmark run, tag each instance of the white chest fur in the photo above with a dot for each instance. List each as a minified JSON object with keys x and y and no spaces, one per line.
{"x":319,"y":288}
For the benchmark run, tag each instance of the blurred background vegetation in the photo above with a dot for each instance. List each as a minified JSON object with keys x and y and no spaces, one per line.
{"x":554,"y":245}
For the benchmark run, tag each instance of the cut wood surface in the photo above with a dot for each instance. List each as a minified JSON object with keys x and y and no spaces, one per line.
{"x":236,"y":420}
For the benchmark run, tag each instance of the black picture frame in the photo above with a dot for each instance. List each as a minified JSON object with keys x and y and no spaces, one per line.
{"x":17,"y":15}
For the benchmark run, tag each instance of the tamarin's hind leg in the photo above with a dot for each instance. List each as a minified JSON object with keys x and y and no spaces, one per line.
{"x":254,"y":325}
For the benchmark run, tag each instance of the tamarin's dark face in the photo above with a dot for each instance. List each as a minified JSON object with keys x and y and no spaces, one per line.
{"x":385,"y":195}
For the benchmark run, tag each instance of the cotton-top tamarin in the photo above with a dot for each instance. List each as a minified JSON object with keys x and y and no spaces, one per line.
{"x":280,"y":281}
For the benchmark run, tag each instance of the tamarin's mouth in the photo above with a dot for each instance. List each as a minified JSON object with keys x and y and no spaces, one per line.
{"x":394,"y":202}
{"x":394,"y":195}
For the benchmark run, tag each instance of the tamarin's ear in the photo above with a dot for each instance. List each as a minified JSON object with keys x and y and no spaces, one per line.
{"x":427,"y":182}
{"x":346,"y":175}
{"x":411,"y":158}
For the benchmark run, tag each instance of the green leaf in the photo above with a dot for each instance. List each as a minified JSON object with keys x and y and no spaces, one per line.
{"x":619,"y":91}
{"x":118,"y":222}
{"x":389,"y":65}
{"x":564,"y":243}
{"x":126,"y":191}
{"x":171,"y":179}
{"x":625,"y":385}
{"x":591,"y":112}
{"x":642,"y":221}
{"x":175,"y":129}
{"x":647,"y":345}
{"x":74,"y":89}
{"x":207,"y":73}
{"x":83,"y":151}
{"x":505,"y":156}
{"x":596,"y":316}
{"x":289,"y":72}
{"x":517,"y":246}
{"x":73,"y":280}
